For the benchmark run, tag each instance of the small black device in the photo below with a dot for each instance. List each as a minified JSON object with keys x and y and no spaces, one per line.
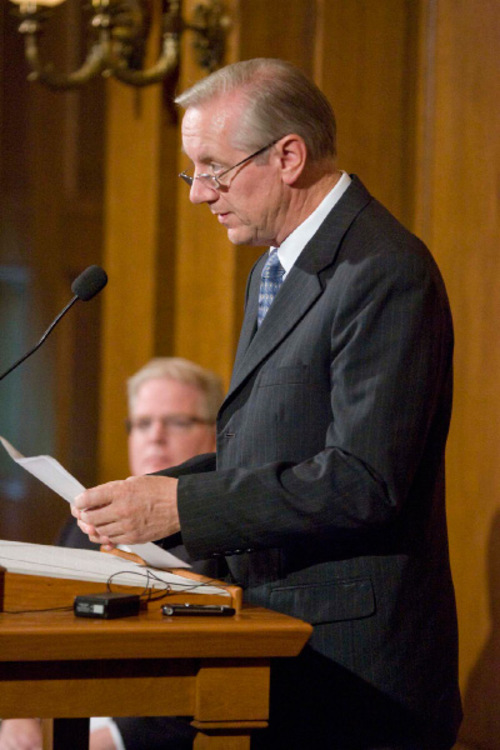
{"x":107,"y":605}
{"x":198,"y":609}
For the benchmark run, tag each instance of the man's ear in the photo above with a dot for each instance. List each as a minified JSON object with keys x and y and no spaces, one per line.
{"x":292,"y":152}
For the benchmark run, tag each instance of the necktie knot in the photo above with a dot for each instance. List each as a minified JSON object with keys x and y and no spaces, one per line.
{"x":270,"y":282}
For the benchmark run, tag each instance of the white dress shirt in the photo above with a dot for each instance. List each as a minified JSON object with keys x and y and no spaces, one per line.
{"x":291,"y":248}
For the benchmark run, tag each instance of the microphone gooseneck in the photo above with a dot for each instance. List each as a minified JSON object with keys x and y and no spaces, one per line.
{"x":84,"y":287}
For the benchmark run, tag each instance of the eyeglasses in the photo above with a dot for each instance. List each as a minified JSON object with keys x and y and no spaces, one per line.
{"x":213,"y":181}
{"x":174,"y":423}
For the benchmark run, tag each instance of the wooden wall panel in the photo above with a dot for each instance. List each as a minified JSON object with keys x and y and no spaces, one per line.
{"x":139,"y":255}
{"x":365,"y":64}
{"x":50,"y":225}
{"x":130,"y":252}
{"x":457,"y":209}
{"x":139,"y":246}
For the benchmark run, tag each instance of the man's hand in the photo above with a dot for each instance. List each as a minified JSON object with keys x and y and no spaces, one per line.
{"x":21,"y":734}
{"x":131,"y":511}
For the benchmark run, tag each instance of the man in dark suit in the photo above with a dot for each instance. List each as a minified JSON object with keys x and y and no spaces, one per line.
{"x":326,"y":495}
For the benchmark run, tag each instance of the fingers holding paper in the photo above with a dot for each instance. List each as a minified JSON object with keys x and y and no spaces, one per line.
{"x":131,"y":511}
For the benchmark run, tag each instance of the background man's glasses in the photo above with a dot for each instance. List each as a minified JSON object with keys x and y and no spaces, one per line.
{"x":213,"y":181}
{"x":174,"y":423}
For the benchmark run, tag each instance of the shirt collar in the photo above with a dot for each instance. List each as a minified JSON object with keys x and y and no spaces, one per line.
{"x":291,"y":248}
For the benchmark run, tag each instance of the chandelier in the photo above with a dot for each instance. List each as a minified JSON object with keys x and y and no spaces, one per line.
{"x":118,"y":34}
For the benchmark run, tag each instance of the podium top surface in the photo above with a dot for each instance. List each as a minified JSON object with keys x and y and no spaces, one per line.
{"x":60,"y":635}
{"x":28,"y":633}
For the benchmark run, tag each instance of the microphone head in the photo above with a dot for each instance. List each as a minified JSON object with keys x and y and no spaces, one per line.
{"x":89,"y":283}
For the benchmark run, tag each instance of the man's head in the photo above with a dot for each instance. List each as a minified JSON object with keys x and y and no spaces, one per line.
{"x":173,"y":405}
{"x":270,"y":107}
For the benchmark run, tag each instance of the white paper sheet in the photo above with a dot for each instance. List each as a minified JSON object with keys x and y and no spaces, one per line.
{"x":91,"y":565}
{"x":51,"y":473}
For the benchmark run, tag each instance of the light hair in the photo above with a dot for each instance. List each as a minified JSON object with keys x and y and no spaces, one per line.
{"x":182,"y":371}
{"x":279,"y":100}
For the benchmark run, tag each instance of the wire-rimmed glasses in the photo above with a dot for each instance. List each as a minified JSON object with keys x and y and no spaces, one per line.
{"x":213,"y":181}
{"x":177,"y":423}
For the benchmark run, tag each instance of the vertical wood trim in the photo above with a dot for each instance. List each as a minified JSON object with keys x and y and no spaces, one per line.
{"x":320,"y":43}
{"x":206,"y":260}
{"x":425,"y":120}
{"x":130,"y":257}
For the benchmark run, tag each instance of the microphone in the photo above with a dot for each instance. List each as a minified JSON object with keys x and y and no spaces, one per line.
{"x":88,"y":284}
{"x":84,"y":287}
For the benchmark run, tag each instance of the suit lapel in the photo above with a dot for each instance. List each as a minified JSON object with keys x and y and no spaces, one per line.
{"x":300,"y":290}
{"x":297,"y":294}
{"x":249,"y":325}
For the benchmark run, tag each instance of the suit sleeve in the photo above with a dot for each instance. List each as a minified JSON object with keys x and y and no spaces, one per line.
{"x":195,"y":465}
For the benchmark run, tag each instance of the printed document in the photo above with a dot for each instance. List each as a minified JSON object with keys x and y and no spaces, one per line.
{"x":51,"y":473}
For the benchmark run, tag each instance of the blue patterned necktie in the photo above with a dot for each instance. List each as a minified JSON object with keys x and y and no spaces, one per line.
{"x":270,"y":282}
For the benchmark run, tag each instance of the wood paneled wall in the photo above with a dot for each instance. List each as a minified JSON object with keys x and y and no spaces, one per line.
{"x":415,"y":86}
{"x":50,"y":230}
{"x":457,"y":211}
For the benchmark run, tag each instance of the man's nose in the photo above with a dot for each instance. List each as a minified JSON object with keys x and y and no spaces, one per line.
{"x":200,"y":192}
{"x":158,"y":431}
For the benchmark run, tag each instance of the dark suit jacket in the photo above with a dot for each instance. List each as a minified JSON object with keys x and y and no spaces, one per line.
{"x":328,"y":498}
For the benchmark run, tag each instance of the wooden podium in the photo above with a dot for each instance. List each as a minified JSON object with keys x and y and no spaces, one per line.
{"x":215,"y":670}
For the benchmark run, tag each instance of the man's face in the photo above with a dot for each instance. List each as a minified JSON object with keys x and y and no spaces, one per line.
{"x":162,"y":433}
{"x":250,"y":202}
